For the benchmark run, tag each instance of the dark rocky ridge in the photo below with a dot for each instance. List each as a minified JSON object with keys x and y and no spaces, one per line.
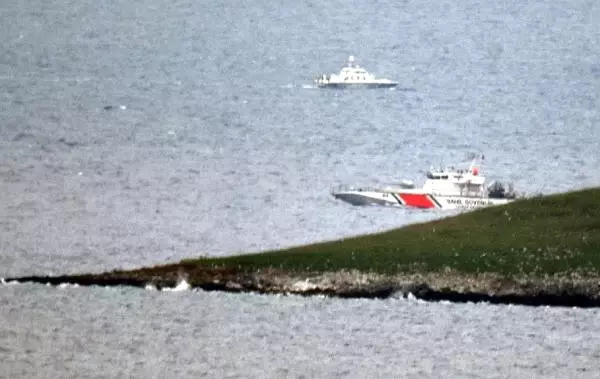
{"x":448,"y":286}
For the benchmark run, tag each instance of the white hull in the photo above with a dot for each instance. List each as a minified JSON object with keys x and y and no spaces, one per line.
{"x":416,"y":199}
{"x":326,"y":84}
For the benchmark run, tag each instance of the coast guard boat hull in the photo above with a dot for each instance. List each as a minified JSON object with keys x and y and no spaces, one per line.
{"x":415,"y":199}
{"x":446,"y":188}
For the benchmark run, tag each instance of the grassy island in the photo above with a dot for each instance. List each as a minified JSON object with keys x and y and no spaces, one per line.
{"x":552,"y":235}
{"x":536,"y":251}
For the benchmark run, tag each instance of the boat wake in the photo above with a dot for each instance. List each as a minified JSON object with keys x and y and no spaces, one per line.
{"x":296,"y":86}
{"x":303,"y":86}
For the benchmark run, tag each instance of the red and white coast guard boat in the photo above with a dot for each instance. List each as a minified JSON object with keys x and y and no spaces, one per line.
{"x":445,"y":188}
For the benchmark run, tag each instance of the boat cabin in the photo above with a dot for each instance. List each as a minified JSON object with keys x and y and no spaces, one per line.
{"x":355,"y":73}
{"x":349,"y":74}
{"x":455,"y":182}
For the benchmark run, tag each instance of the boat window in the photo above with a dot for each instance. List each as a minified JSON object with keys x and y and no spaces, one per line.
{"x":445,"y":177}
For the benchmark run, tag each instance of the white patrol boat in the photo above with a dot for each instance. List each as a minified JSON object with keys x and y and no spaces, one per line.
{"x":353,"y":75}
{"x":444,"y":188}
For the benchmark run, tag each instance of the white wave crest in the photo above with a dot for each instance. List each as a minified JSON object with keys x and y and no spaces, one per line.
{"x":303,"y":285}
{"x":68,"y":285}
{"x":181,"y":286}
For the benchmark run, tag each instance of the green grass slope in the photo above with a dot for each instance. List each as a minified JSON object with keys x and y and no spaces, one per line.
{"x":549,"y":235}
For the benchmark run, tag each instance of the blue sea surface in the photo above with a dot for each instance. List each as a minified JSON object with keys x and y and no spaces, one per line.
{"x":137,"y":133}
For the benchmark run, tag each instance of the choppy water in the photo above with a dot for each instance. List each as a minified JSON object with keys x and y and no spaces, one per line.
{"x":124,"y":333}
{"x":217,"y":144}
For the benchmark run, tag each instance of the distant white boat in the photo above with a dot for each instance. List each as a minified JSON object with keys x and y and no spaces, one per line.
{"x":352,"y":75}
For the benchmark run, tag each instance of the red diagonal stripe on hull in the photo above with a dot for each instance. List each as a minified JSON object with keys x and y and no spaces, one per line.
{"x":416,"y":200}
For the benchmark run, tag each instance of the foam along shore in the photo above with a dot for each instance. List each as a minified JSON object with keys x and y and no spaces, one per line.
{"x":543,"y":250}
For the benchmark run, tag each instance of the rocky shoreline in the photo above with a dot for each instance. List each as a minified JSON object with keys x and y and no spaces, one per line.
{"x":519,"y":246}
{"x":446,"y":286}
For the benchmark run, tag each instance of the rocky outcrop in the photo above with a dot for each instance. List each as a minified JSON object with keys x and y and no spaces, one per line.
{"x":449,"y":286}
